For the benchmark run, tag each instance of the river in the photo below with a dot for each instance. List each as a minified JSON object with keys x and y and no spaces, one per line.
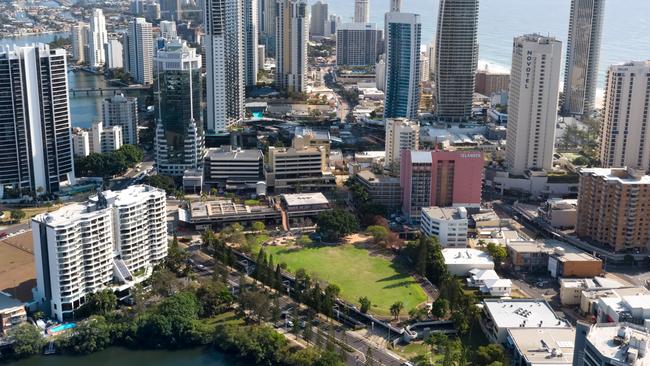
{"x":83,"y":109}
{"x":124,"y":357}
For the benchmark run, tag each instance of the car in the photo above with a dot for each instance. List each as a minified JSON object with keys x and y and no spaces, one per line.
{"x":289,"y":323}
{"x":3,"y":234}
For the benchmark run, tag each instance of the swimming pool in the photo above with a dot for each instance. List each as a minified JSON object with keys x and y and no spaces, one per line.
{"x":62,"y":327}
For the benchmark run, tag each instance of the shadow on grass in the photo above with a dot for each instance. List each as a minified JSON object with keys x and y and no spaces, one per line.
{"x":401,"y":284}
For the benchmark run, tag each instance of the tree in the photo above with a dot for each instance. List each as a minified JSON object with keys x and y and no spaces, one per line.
{"x":365,"y":304}
{"x":304,"y":240}
{"x":161,"y":181}
{"x":259,"y":227}
{"x":28,"y":340}
{"x":380,"y":234}
{"x":132,"y":154}
{"x":498,"y":253}
{"x":333,"y":225}
{"x":488,"y":354}
{"x":17,"y":214}
{"x":163,"y":282}
{"x":177,"y":257}
{"x":102,"y":302}
{"x":396,"y":309}
{"x":440,"y":307}
{"x":91,"y":336}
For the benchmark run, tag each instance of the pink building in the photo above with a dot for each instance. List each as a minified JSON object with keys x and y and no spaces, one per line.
{"x":440,"y":178}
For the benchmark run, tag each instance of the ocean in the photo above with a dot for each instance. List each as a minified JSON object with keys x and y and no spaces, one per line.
{"x":626,"y":30}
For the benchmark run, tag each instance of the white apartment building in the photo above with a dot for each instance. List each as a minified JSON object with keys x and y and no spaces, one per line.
{"x":625,"y":136}
{"x":292,"y":34}
{"x":448,"y":224}
{"x":140,"y":50}
{"x":225,"y":63}
{"x":97,"y":37}
{"x":361,"y":11}
{"x":532,"y":108}
{"x":122,"y":111}
{"x":79,"y":41}
{"x":81,"y":142}
{"x":168,"y":29}
{"x":114,"y":53}
{"x":401,"y":134}
{"x":105,"y":139}
{"x":110,"y":242}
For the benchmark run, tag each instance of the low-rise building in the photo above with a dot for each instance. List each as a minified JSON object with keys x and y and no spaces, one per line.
{"x":220,"y":213}
{"x":628,"y":308}
{"x":448,"y":224}
{"x":499,"y":315}
{"x":460,"y":261}
{"x":81,"y":142}
{"x":233,"y":169}
{"x":571,"y":289}
{"x":621,"y":344}
{"x":105,"y":139}
{"x":560,"y":213}
{"x":12,"y":313}
{"x":590,"y":298}
{"x":382,"y":189}
{"x":299,"y":167}
{"x":489,"y":282}
{"x":302,"y":209}
{"x":541,"y":346}
{"x":554,"y":257}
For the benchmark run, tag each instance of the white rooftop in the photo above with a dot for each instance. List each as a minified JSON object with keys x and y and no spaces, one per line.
{"x":544,"y":346}
{"x":604,"y":337}
{"x":445,"y":213}
{"x":301,"y":199}
{"x":618,"y":175}
{"x":524,"y":313}
{"x":466,"y":256}
{"x":421,"y":157}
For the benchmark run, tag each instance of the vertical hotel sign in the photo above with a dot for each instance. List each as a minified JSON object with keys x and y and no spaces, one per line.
{"x":529,"y":63}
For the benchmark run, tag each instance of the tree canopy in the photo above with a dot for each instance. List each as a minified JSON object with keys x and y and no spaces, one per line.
{"x":335,"y":224}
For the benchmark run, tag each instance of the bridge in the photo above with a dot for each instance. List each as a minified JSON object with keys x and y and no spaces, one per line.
{"x":109,"y":90}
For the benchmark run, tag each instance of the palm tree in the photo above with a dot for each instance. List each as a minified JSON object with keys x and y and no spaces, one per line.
{"x":396,"y":308}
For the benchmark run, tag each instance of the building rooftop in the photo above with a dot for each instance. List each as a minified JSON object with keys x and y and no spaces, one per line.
{"x":302,"y":199}
{"x":523,"y":313}
{"x":539,"y":346}
{"x":466,"y":256}
{"x":233,"y":154}
{"x":618,"y":175}
{"x":8,"y":302}
{"x":625,"y":343}
{"x":561,"y":251}
{"x":223,"y":208}
{"x":369,"y":176}
{"x":445,"y":213}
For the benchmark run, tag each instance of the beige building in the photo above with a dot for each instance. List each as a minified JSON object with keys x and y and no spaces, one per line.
{"x":625,"y":136}
{"x":299,"y":167}
{"x":12,"y":313}
{"x":560,"y":213}
{"x":532,"y":105}
{"x":382,"y":189}
{"x":448,"y":224}
{"x":105,"y":139}
{"x":488,"y":83}
{"x":401,"y":134}
{"x":614,"y":209}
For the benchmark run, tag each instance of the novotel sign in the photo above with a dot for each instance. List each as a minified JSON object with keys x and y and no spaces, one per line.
{"x":529,"y":63}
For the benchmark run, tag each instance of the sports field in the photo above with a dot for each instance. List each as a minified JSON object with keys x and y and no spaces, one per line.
{"x":357,"y":273}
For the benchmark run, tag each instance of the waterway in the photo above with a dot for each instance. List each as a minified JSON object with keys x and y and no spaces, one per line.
{"x":124,"y":357}
{"x":84,"y":109}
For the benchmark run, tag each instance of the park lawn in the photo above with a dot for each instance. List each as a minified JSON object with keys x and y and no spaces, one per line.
{"x":418,"y":352}
{"x":228,"y":317}
{"x":357,"y":274}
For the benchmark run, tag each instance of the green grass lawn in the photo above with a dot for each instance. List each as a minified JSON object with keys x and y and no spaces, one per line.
{"x":357,"y":274}
{"x":418,"y":352}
